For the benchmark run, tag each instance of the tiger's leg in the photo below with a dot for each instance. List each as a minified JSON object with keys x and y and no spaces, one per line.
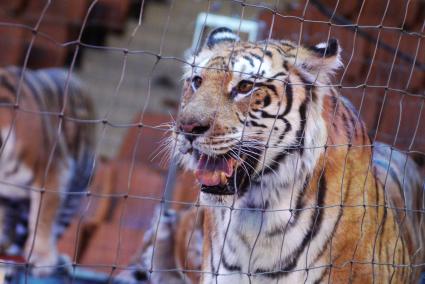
{"x":40,"y":247}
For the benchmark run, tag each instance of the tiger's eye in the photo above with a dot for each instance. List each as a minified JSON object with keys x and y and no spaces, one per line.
{"x":196,"y":82}
{"x":245,"y":86}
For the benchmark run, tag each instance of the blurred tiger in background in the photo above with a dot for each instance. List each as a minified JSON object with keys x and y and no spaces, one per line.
{"x":46,"y":160}
{"x":292,"y":188}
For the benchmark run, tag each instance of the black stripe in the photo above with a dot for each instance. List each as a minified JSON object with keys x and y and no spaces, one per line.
{"x":249,"y":59}
{"x":318,"y":281}
{"x":8,"y":85}
{"x":251,"y":115}
{"x":388,"y":169}
{"x":285,"y":65}
{"x":276,"y":161}
{"x":403,"y":258}
{"x":299,"y":144}
{"x":289,"y":97}
{"x":268,"y":86}
{"x":352,"y":118}
{"x":212,"y":41}
{"x":229,"y":242}
{"x":334,"y":100}
{"x":301,"y":132}
{"x":347,"y":126}
{"x":244,"y":177}
{"x":382,"y":233}
{"x":376,"y":187}
{"x":240,"y":120}
{"x":211,"y":254}
{"x":256,"y":56}
{"x":300,"y":202}
{"x":309,"y":87}
{"x":265,"y":114}
{"x":276,"y":47}
{"x":295,"y":216}
{"x":243,"y":239}
{"x":266,"y":101}
{"x":329,"y":50}
{"x":268,"y":53}
{"x":254,"y":123}
{"x":287,"y":44}
{"x":59,"y":81}
{"x":63,"y":223}
{"x":228,"y":266}
{"x":315,"y":225}
{"x":352,"y":113}
{"x":288,"y":128}
{"x":322,"y":251}
{"x":279,"y":74}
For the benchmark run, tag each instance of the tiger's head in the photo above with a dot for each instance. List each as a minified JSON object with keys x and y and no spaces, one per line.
{"x":250,"y":108}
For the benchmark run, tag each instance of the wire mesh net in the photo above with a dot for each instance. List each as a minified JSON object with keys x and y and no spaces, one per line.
{"x":286,"y":179}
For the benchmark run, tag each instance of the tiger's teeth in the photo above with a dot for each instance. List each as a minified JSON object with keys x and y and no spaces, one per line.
{"x":223,"y":178}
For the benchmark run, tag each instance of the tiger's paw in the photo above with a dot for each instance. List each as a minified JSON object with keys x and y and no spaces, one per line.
{"x":43,"y":262}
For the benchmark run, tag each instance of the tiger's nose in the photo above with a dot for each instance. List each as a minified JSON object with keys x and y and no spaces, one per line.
{"x":192,"y":129}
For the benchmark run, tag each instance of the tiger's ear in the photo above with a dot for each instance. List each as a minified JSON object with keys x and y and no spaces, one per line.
{"x":323,"y":58}
{"x":219,"y":36}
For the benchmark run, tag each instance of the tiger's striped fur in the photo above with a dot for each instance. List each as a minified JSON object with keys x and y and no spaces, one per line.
{"x":314,"y":201}
{"x":46,"y":159}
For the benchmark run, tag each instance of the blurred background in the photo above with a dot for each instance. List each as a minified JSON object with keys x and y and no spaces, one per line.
{"x":129,"y":55}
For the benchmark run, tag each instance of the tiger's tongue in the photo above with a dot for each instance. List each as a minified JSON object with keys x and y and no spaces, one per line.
{"x":214,"y":171}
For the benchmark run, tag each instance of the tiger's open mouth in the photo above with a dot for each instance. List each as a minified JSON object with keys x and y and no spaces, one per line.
{"x":215,"y":173}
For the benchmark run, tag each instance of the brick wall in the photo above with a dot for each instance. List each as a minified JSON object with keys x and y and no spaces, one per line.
{"x":368,"y":62}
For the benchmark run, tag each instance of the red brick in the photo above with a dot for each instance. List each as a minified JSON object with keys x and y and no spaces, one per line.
{"x":61,"y":12}
{"x":415,"y":15}
{"x":11,"y":45}
{"x":412,"y":46}
{"x":379,"y":63}
{"x":12,"y":7}
{"x":373,"y":13}
{"x":112,"y":245}
{"x":147,"y":140}
{"x":286,"y":27}
{"x":399,"y":119}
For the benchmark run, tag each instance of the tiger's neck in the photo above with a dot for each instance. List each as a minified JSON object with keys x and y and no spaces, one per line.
{"x":277,"y":219}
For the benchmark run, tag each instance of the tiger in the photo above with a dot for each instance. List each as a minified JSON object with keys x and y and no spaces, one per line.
{"x":292,"y":188}
{"x":47,"y":159}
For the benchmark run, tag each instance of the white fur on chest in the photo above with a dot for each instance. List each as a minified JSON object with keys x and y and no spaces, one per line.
{"x":261,"y":252}
{"x":244,"y":236}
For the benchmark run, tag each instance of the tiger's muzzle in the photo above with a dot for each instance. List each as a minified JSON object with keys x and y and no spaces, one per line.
{"x":213,"y":172}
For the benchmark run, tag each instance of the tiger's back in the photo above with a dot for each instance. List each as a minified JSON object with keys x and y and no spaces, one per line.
{"x":403,"y":185}
{"x":375,"y":209}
